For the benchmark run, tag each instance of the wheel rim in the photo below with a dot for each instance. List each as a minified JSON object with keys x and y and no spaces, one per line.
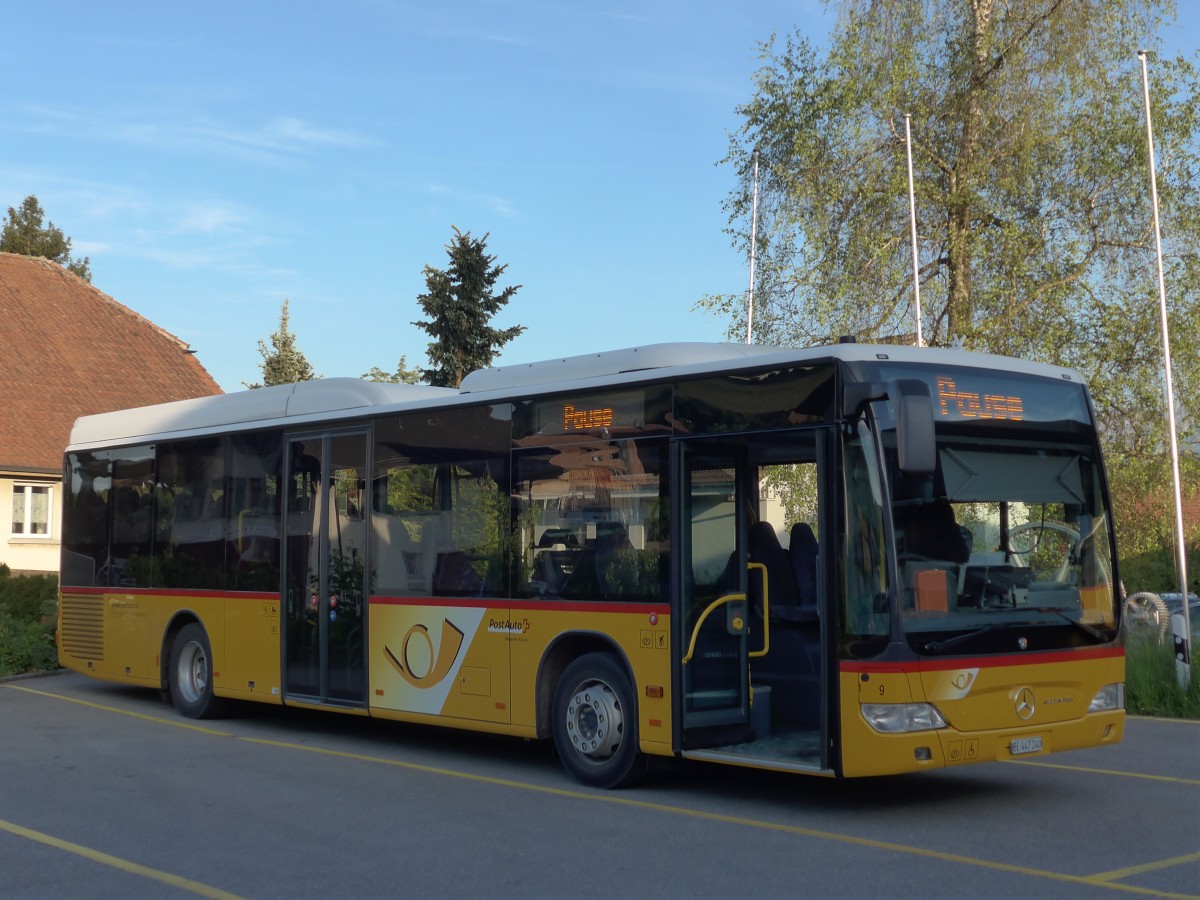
{"x":191,"y":672}
{"x":1146,"y":613}
{"x":595,"y":721}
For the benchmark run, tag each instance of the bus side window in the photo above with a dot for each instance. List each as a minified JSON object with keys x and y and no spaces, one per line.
{"x":591,"y":520}
{"x":864,"y":561}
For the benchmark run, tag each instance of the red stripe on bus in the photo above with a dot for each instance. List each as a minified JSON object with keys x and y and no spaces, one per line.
{"x":593,"y":606}
{"x":172,"y":592}
{"x":982,"y":662}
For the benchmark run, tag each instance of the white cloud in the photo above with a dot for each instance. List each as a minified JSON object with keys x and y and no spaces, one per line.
{"x":207,"y":219}
{"x":500,"y":205}
{"x":276,"y":139}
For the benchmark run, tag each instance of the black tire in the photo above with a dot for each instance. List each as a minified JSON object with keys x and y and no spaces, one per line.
{"x":595,"y":723}
{"x":190,"y":675}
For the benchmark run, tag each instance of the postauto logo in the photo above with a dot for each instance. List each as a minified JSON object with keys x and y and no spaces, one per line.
{"x":508,"y":626}
{"x":447,"y":651}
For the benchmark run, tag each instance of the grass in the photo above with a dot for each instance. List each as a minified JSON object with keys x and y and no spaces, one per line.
{"x":1151,"y":686}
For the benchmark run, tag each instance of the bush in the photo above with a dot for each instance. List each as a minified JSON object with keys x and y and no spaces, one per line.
{"x":1151,"y":687}
{"x":1156,"y":571}
{"x":28,"y":609}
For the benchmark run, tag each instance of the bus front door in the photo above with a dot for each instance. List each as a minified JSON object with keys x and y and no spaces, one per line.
{"x":711,"y":578}
{"x":324,"y":569}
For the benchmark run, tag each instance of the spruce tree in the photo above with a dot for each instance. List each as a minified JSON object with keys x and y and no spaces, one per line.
{"x":460,"y":302}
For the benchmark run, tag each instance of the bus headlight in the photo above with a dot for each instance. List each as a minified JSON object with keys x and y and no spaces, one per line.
{"x":1111,"y":696}
{"x":900,"y":718}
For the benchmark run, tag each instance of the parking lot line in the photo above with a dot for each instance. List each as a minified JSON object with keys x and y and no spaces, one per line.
{"x":125,"y":865}
{"x":124,"y":712}
{"x":1045,"y":765}
{"x":1117,"y":874}
{"x":1098,"y":881}
{"x":1110,"y":880}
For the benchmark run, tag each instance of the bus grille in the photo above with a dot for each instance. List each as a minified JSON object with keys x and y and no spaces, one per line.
{"x":82,"y":634}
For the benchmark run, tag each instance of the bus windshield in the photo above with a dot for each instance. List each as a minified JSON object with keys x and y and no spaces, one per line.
{"x":1010,"y":539}
{"x":1006,"y":535}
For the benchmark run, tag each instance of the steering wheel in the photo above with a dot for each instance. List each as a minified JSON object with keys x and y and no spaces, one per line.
{"x":1031,"y":545}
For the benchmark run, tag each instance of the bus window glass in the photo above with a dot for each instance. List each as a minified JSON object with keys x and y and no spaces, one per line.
{"x":592,"y":521}
{"x":864,"y":565}
{"x":190,"y":518}
{"x":1005,"y":532}
{"x":403,"y":523}
{"x":253,"y":540}
{"x":85,"y":517}
{"x":439,"y":502}
{"x":472,"y":560}
{"x":604,"y":415}
{"x":131,"y":505}
{"x":779,"y":398}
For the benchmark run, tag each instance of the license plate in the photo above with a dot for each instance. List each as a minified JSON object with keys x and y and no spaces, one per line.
{"x":1025,"y":745}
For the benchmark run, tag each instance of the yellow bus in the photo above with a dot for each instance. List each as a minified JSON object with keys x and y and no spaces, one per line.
{"x":847,"y":560}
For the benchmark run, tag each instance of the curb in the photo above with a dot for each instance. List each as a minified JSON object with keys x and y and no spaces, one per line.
{"x":25,"y":676}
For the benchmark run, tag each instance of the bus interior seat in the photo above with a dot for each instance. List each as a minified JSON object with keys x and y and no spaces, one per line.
{"x":454,"y":576}
{"x":609,"y":541}
{"x":930,"y":530}
{"x":766,"y":550}
{"x":803,"y":550}
{"x":791,"y":667}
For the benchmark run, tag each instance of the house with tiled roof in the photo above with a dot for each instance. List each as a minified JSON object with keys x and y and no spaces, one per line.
{"x":67,"y":350}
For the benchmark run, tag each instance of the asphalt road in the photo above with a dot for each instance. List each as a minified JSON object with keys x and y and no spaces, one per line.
{"x":106,"y":793}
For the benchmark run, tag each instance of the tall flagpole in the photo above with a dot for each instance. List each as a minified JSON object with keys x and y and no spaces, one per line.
{"x":912,"y":221}
{"x":753,"y":243}
{"x":1180,"y":624}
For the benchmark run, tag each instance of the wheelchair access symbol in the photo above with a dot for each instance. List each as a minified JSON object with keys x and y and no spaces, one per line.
{"x":448,"y":646}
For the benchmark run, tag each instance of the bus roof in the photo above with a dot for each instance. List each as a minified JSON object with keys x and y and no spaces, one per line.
{"x":293,"y":405}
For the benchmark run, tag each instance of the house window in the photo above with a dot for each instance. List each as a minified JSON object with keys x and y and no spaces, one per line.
{"x":31,"y":510}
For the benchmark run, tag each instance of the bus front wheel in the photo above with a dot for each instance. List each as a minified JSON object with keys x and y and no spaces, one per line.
{"x":595,"y":723}
{"x":190,"y":675}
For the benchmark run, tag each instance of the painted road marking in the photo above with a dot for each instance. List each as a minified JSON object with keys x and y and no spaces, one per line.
{"x":124,"y":712}
{"x":1145,"y":867}
{"x":1108,"y":880}
{"x":177,"y":881}
{"x":1044,"y":765}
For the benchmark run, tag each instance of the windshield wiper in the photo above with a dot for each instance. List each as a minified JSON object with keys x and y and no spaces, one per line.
{"x":939,"y":646}
{"x":942,"y":646}
{"x":1087,"y":629}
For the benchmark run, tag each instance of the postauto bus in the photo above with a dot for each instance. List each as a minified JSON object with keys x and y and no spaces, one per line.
{"x":844,"y":561}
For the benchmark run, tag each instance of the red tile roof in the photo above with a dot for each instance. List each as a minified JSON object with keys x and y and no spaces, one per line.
{"x":68,"y":349}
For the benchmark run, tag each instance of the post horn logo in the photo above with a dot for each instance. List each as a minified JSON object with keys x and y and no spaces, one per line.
{"x":447,"y":652}
{"x":1025,"y":703}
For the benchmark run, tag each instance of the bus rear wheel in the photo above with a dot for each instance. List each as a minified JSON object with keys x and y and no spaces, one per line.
{"x":595,"y":723}
{"x":190,"y":675}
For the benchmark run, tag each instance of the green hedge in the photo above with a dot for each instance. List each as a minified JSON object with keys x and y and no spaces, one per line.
{"x":28,"y":609}
{"x":1156,"y":571}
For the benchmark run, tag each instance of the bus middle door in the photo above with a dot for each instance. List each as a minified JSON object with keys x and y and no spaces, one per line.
{"x":711,"y":576}
{"x":325,"y":586}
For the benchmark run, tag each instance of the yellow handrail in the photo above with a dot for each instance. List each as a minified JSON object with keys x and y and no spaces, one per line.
{"x":726,"y":598}
{"x":766,"y":610}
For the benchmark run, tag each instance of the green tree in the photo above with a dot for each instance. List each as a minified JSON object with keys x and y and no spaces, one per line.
{"x":1030,"y":169}
{"x":282,"y":362}
{"x":460,"y":302}
{"x":24,"y":233}
{"x":402,"y":375}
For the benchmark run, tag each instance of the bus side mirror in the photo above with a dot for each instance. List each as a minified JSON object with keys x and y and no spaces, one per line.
{"x":915,"y":448}
{"x":913,"y":404}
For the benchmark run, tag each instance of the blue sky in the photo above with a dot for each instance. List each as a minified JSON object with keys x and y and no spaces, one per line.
{"x":213,"y":159}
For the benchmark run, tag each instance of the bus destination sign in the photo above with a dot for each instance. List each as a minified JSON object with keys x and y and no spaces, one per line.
{"x":959,"y":403}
